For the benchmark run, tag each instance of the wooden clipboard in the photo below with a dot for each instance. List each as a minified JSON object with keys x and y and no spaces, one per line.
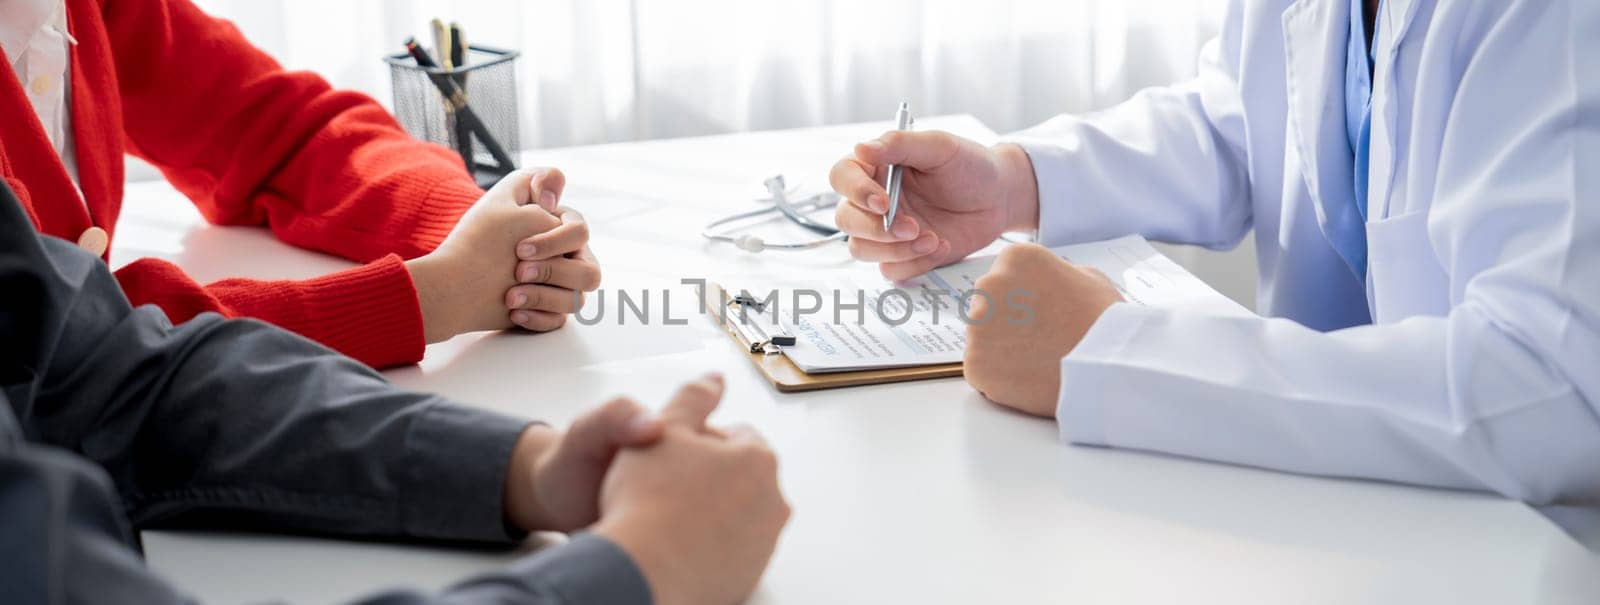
{"x":789,"y":378}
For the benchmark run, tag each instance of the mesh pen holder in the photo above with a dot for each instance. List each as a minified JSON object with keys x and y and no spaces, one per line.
{"x":490,"y":82}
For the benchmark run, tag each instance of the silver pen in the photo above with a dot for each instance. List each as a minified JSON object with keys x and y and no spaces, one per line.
{"x":902,"y":119}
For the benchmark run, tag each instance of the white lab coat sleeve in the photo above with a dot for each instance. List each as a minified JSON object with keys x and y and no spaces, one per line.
{"x":1168,"y":163}
{"x":1500,"y":394}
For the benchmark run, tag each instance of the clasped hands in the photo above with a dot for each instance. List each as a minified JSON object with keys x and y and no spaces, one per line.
{"x":697,"y":508}
{"x":516,"y":258}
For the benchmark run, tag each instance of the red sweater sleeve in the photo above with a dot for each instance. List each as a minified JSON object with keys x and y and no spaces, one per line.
{"x":253,"y":144}
{"x":356,"y":312}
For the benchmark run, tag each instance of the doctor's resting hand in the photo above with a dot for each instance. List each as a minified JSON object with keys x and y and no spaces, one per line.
{"x":1034,"y":309}
{"x":956,"y":197}
{"x":517,"y":258}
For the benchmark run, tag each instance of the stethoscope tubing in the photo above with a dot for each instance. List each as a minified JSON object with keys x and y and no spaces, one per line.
{"x":713,"y":231}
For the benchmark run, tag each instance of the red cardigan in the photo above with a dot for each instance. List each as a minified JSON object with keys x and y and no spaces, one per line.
{"x":250,"y":144}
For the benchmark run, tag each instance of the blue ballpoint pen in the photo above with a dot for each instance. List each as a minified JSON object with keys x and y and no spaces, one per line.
{"x":902,"y":119}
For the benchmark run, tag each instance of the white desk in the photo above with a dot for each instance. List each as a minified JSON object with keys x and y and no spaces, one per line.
{"x":913,"y":493}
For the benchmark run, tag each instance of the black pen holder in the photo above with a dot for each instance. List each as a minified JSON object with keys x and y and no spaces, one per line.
{"x":490,"y":83}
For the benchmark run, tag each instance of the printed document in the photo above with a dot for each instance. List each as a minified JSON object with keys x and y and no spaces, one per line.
{"x":860,"y":321}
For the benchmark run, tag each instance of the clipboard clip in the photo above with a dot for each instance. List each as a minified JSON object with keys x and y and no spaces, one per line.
{"x":758,"y":338}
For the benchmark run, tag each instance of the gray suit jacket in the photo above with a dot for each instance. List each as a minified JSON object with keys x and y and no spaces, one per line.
{"x":112,"y":419}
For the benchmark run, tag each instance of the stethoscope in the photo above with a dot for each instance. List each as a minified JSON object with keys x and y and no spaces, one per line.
{"x":795,"y":211}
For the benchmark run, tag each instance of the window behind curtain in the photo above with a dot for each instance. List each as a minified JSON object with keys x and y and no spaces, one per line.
{"x":611,"y":70}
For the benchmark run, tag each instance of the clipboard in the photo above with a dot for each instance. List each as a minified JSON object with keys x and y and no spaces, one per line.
{"x":782,"y":373}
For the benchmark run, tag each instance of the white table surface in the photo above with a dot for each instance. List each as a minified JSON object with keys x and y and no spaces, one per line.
{"x":911,"y":493}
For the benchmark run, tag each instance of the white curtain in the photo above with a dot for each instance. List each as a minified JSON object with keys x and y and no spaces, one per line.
{"x":597,"y":71}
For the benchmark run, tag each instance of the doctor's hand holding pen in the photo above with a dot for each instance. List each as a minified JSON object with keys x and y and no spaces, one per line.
{"x":516,"y":258}
{"x":956,"y":197}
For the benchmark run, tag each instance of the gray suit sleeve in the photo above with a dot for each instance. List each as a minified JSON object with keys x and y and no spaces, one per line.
{"x":238,"y":423}
{"x":588,"y":569}
{"x":65,"y":541}
{"x":230,"y":423}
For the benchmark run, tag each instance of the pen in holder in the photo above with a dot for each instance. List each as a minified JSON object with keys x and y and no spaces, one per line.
{"x":488,"y":85}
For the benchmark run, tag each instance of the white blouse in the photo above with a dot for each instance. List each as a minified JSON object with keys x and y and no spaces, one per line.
{"x":33,"y":34}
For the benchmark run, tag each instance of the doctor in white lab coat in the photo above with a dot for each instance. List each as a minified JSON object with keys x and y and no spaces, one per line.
{"x":1429,"y":262}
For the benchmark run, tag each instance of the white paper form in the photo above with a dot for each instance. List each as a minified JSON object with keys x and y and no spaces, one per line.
{"x":1142,"y":274}
{"x":861,"y":321}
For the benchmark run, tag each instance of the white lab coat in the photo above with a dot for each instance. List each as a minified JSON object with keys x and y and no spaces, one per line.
{"x":1481,"y":369}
